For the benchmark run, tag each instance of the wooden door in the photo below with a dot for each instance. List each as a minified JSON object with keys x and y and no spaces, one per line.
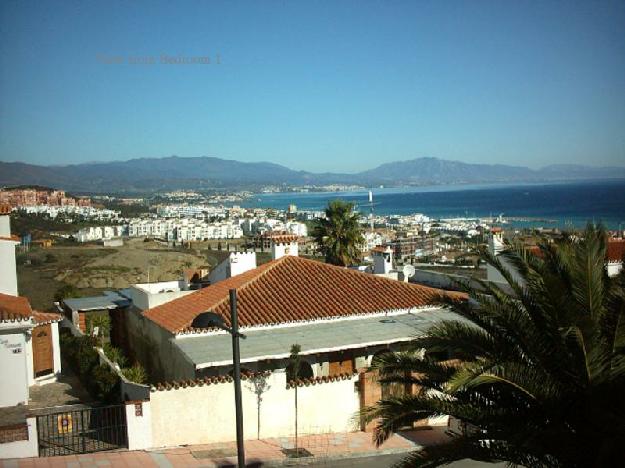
{"x":43,"y":362}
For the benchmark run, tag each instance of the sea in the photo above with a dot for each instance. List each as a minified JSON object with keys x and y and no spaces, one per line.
{"x":563,"y":205}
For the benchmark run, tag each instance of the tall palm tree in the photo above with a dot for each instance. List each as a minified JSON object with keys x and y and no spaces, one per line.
{"x":538,"y":376}
{"x":339,"y":235}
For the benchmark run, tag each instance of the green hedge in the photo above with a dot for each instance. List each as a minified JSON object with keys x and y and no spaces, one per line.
{"x":101,"y":382}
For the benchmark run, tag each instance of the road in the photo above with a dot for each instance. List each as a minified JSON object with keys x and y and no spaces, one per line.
{"x":383,"y":461}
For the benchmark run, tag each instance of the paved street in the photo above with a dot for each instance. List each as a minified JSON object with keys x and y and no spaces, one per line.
{"x":326,"y":449}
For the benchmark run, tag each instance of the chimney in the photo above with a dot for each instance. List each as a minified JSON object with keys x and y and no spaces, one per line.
{"x":235,"y":264}
{"x":283,"y":244}
{"x":382,"y":260}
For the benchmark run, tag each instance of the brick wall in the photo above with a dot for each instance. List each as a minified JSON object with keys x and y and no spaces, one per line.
{"x":13,"y":433}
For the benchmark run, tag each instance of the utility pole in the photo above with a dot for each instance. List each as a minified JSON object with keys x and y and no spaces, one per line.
{"x":237,"y":377}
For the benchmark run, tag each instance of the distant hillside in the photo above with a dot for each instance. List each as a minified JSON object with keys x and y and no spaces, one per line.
{"x":439,"y":171}
{"x":153,"y":174}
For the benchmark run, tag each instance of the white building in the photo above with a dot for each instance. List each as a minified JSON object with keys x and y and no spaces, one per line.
{"x":8,"y":272}
{"x":29,"y":340}
{"x":94,"y":233}
{"x":235,"y":264}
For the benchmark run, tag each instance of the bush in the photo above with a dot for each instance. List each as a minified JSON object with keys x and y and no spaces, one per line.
{"x":99,"y":380}
{"x":115,"y":355}
{"x":104,"y":384}
{"x":136,"y":374}
{"x":66,"y":291}
{"x":50,"y":258}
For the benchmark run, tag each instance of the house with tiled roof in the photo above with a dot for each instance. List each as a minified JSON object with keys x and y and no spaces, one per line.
{"x":29,"y":340}
{"x":340,"y":317}
{"x":615,"y":254}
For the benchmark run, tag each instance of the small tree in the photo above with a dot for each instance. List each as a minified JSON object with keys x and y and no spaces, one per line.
{"x":103,"y":323}
{"x":66,"y":291}
{"x":259,"y":386}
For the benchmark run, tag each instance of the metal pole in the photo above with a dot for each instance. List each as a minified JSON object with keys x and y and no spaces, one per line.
{"x":237,"y":377}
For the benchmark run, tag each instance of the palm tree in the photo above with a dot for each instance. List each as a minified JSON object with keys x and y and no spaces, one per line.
{"x":537,"y":376}
{"x":339,"y":235}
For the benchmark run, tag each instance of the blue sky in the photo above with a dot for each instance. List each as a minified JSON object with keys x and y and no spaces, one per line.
{"x":321,"y":86}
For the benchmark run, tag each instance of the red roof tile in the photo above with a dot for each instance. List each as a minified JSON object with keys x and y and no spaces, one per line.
{"x":294,"y":289}
{"x":14,"y":307}
{"x":46,"y":317}
{"x":282,"y":237}
{"x":616,"y":250}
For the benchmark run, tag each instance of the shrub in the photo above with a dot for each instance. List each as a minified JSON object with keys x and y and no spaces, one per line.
{"x":105,"y":384}
{"x":115,"y":355}
{"x":136,"y":374}
{"x":80,"y":354}
{"x":50,"y":258}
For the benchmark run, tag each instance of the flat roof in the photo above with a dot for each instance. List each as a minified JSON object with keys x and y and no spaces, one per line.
{"x":108,"y":300}
{"x":324,"y":336}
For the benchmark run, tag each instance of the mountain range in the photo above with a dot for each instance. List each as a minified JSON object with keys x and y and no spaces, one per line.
{"x":154,"y":174}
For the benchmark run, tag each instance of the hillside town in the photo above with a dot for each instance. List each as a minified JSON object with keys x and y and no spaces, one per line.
{"x":149,"y":338}
{"x":335,"y":234}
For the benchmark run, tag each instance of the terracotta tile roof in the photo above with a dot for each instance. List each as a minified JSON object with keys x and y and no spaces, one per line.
{"x":41,"y":318}
{"x":294,"y":289}
{"x":201,"y":381}
{"x":319,"y":380}
{"x":282,"y":237}
{"x":5,"y":208}
{"x":616,"y":250}
{"x":14,"y":308}
{"x":10,"y":238}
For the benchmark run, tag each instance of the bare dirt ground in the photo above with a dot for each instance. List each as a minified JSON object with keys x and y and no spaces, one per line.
{"x":93,"y":268}
{"x":135,"y":262}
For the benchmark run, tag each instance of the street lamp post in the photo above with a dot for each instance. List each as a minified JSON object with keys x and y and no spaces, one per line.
{"x":236,"y":362}
{"x":210,"y":319}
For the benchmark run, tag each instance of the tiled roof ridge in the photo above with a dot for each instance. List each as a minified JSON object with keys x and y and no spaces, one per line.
{"x":259,"y":274}
{"x":293,"y":290}
{"x":356,"y":273}
{"x":12,"y":317}
{"x":201,"y":381}
{"x":266,"y":266}
{"x":319,"y":380}
{"x":43,"y":318}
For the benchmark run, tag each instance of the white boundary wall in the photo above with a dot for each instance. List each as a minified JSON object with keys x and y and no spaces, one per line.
{"x":22,"y":448}
{"x":206,"y":414}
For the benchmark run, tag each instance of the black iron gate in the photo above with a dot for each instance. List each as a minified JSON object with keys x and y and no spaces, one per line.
{"x":82,"y":430}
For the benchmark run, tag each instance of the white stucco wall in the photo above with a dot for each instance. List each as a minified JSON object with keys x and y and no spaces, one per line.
{"x":206,"y":414}
{"x":152,"y":346}
{"x":22,"y":448}
{"x":13,"y":366}
{"x":280,"y":249}
{"x":139,"y":426}
{"x":8,"y":272}
{"x":614,"y":268}
{"x":146,"y":296}
{"x":235,"y":264}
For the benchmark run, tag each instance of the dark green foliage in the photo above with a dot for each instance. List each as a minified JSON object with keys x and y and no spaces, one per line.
{"x":50,"y":258}
{"x":99,"y":380}
{"x":339,"y":235}
{"x":539,"y":376}
{"x":66,"y":291}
